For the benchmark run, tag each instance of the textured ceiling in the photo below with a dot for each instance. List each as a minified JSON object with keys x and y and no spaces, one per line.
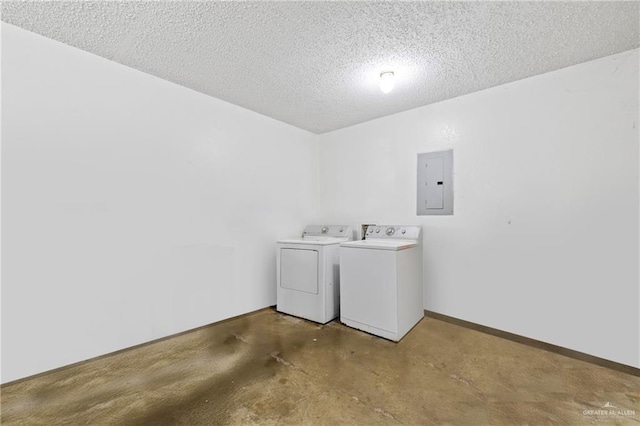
{"x":316,"y":64}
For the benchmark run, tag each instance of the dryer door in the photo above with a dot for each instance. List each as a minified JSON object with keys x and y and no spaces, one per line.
{"x":299,"y":270}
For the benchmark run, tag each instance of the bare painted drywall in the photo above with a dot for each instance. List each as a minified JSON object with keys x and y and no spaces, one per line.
{"x":544,"y":237}
{"x":133,"y":208}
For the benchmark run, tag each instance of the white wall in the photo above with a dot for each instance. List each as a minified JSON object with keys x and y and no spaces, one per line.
{"x":544,"y":239}
{"x":133,"y":208}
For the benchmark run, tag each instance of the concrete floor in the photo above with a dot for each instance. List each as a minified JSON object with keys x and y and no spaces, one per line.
{"x":267,"y":368}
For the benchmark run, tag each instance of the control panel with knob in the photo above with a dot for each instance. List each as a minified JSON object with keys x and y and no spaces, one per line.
{"x":328,"y":231}
{"x":395,"y":232}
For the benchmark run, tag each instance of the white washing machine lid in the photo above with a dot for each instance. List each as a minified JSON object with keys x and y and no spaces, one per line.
{"x":314,"y":241}
{"x":376,"y":244}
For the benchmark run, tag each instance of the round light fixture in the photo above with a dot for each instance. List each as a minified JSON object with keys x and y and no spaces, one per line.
{"x":386,"y":81}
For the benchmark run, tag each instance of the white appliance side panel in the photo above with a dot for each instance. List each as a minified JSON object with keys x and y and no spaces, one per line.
{"x":332,"y":286}
{"x":368,"y":291}
{"x":299,"y":270}
{"x":410,"y":289}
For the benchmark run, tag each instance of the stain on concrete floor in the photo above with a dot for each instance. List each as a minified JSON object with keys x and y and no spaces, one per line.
{"x":267,"y":368}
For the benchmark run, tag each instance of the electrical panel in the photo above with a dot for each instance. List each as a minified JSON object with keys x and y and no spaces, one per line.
{"x":435,"y":183}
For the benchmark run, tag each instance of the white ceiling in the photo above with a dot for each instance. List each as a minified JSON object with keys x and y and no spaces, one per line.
{"x":316,"y":64}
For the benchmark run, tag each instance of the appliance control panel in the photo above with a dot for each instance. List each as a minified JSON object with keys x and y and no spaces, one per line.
{"x":333,"y":231}
{"x":394,"y":232}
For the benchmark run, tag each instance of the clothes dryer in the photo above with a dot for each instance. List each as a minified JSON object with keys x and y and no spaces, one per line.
{"x":308,"y":272}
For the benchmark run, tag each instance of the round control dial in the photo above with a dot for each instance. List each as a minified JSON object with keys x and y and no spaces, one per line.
{"x":324,"y":230}
{"x":390,"y":231}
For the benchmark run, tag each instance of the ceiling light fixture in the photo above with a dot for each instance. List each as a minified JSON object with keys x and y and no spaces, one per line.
{"x":386,"y":81}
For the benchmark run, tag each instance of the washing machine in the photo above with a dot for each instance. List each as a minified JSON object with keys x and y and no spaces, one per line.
{"x":381,"y":281}
{"x":308,"y":272}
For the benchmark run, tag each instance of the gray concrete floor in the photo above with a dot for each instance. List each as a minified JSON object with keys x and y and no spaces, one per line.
{"x":267,"y":368}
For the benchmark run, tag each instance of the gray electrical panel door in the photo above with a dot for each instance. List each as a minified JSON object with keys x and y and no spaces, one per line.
{"x":435,"y":183}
